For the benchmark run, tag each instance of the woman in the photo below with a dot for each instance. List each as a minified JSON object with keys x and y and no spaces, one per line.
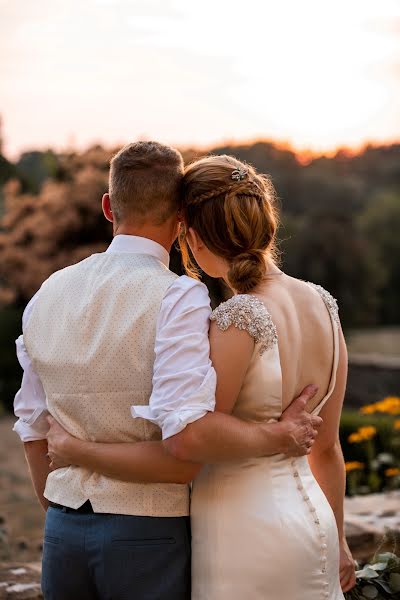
{"x":265,"y":521}
{"x":270,"y":527}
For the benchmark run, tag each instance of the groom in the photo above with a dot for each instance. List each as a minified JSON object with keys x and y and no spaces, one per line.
{"x":87,"y":351}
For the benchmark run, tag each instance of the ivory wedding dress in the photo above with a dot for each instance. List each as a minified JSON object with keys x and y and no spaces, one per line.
{"x":262,"y":529}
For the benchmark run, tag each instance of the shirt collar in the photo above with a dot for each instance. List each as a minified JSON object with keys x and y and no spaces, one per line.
{"x":138,"y":245}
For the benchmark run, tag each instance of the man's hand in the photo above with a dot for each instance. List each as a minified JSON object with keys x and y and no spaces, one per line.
{"x":299,"y":427}
{"x":59,"y":443}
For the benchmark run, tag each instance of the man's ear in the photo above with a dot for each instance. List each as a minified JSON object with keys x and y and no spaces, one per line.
{"x":105,"y":203}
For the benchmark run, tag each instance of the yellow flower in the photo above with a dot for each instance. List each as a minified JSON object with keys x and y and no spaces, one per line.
{"x":396,"y":424}
{"x":362,"y":434}
{"x":392,"y":472}
{"x":367,"y":432}
{"x":354,"y":438}
{"x":353,"y":466}
{"x":389,"y":405}
{"x":369,"y":409}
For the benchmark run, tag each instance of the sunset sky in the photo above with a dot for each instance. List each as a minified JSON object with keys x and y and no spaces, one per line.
{"x":314,"y":74}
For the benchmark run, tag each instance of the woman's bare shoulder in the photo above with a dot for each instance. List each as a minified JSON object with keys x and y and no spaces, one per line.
{"x":307,"y":293}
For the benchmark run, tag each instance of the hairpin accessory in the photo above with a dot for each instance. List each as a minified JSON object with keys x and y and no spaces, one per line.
{"x":239,"y":174}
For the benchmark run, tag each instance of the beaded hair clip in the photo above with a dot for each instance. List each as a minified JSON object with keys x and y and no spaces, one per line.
{"x":239,"y":174}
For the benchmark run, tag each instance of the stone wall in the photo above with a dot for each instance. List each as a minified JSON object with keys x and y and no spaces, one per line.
{"x":371,"y":378}
{"x":370,"y":521}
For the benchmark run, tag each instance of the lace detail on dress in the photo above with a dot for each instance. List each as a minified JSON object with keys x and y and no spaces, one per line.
{"x":245,"y":311}
{"x":330,"y":301}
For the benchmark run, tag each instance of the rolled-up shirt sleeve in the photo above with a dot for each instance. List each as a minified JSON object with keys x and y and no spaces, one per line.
{"x":184,"y":380}
{"x":30,"y":401}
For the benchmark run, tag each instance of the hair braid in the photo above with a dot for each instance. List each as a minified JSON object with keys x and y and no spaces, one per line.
{"x":246,"y":188}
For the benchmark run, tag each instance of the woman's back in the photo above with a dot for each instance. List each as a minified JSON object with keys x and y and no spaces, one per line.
{"x":305,"y":335}
{"x":256,"y":513}
{"x":296,"y":324}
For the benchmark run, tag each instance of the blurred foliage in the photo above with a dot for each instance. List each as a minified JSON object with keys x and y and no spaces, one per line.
{"x":370,"y":440}
{"x":379,"y":580}
{"x":380,"y":223}
{"x":10,"y":372}
{"x":33,"y":168}
{"x":44,"y":232}
{"x":7,"y":169}
{"x":352,"y":420}
{"x":340,"y":218}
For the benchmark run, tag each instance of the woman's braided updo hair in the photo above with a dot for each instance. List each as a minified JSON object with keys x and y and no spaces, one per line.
{"x":232,"y":208}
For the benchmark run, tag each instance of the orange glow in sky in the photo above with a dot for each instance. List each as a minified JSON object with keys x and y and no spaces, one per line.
{"x":316,"y":75}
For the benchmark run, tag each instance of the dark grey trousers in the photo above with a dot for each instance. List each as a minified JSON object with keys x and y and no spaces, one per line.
{"x":115,"y":557}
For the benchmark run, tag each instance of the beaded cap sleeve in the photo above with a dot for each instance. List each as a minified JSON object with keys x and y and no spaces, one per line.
{"x":247,"y":312}
{"x":330,"y":301}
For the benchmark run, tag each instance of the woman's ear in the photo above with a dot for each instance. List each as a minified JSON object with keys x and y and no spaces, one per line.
{"x":194,"y":240}
{"x":105,"y":203}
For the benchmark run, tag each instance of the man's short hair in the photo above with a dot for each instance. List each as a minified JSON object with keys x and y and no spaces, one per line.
{"x":145,"y":182}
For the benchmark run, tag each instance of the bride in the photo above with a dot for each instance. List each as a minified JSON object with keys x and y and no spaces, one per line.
{"x":271,"y":527}
{"x":264,"y":528}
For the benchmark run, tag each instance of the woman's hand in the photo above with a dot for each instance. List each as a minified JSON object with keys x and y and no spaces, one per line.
{"x":347,"y":567}
{"x":58,"y":441}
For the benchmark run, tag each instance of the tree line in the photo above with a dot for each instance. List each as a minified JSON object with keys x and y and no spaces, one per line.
{"x":340,"y":224}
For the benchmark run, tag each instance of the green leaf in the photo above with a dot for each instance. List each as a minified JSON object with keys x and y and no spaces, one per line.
{"x":394,"y":582}
{"x":382,"y":584}
{"x":385,"y":557}
{"x":366,"y":573}
{"x":379,"y":566}
{"x":369,"y":591}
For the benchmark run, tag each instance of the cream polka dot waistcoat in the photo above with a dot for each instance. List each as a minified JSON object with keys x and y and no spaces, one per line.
{"x":91,"y":340}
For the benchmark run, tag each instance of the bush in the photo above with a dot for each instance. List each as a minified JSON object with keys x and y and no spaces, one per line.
{"x":11,"y":372}
{"x":371,"y":442}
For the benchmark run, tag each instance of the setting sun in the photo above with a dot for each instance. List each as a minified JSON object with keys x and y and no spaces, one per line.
{"x":316,"y":76}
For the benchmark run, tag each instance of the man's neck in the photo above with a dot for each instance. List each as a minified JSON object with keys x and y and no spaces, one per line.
{"x":157,"y":234}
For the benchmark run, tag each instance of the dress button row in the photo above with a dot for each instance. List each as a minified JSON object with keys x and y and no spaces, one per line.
{"x":312,"y":508}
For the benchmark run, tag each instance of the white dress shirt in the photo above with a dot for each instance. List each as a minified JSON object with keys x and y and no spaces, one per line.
{"x":184,"y":379}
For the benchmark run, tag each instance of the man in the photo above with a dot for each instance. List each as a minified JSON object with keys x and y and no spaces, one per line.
{"x":87,"y":351}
